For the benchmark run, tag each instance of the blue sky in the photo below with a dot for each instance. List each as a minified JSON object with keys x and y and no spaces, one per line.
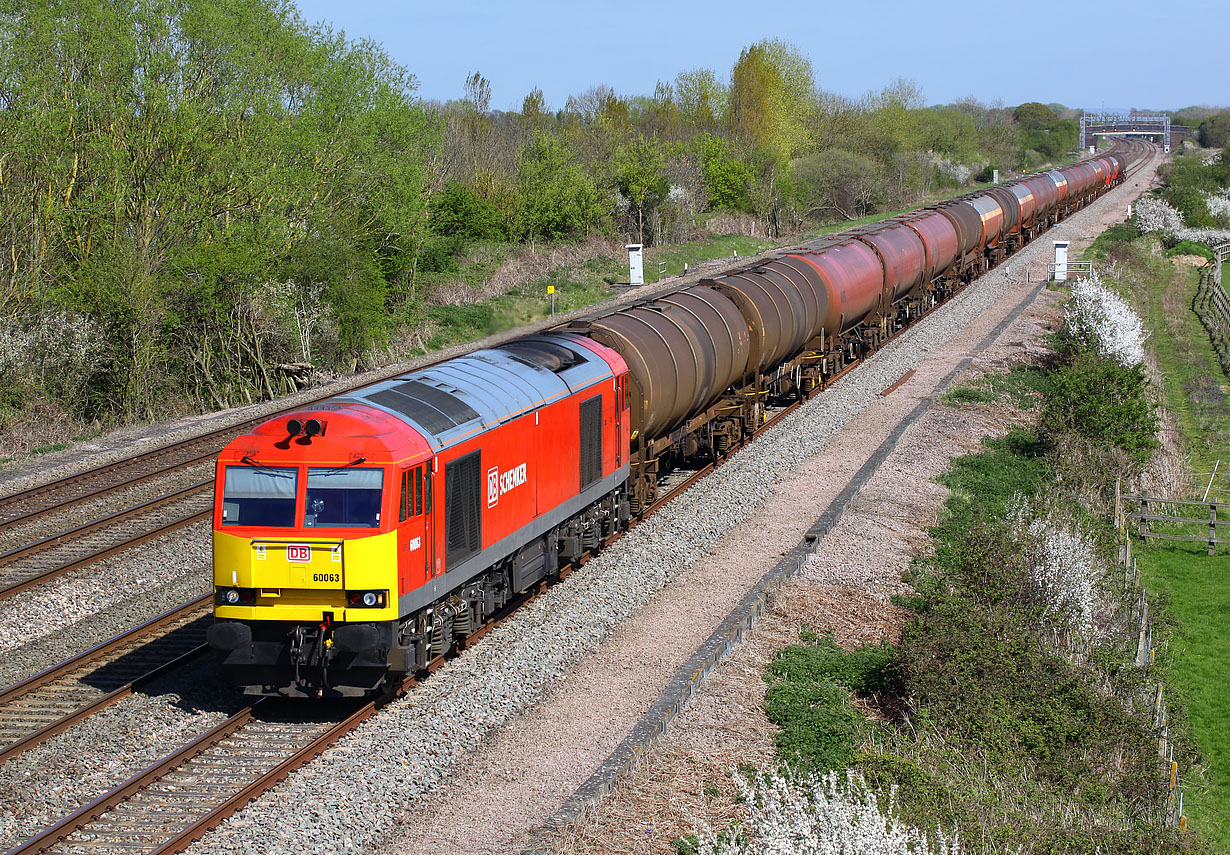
{"x":1077,"y":53}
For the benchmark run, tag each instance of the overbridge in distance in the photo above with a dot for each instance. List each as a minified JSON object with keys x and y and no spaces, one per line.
{"x":1095,"y":125}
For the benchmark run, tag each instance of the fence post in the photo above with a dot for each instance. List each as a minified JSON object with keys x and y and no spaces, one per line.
{"x":1143,"y":525}
{"x":1212,"y":528}
{"x":1142,"y":649}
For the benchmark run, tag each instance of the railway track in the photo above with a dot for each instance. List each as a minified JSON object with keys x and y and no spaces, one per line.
{"x":52,"y":701}
{"x":175,"y":801}
{"x":165,"y":807}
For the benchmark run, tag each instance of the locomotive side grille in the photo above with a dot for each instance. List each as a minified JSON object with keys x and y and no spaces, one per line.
{"x":463,"y":509}
{"x":591,"y":441}
{"x":434,"y":409}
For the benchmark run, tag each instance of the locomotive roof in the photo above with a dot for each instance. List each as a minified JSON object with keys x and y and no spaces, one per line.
{"x":450,"y":402}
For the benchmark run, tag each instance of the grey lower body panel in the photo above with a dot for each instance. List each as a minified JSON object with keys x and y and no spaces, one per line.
{"x":476,"y":564}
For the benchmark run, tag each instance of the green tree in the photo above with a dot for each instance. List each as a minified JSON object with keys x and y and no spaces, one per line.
{"x":1214,"y":132}
{"x":556,"y":197}
{"x":166,"y":160}
{"x":640,"y":176}
{"x":727,"y":178}
{"x":1033,"y":115}
{"x":701,"y":98}
{"x":772,"y":94}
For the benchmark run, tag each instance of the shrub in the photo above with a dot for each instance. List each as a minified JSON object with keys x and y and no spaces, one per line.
{"x":808,"y":698}
{"x":820,"y":814}
{"x":459,"y":211}
{"x":1098,"y":320}
{"x":1104,"y":402}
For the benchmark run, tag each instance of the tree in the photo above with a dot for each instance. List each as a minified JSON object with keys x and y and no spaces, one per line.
{"x":1033,"y":115}
{"x":772,"y":95}
{"x":702,"y":99}
{"x":840,"y":182}
{"x":164,"y":161}
{"x":726,"y":178}
{"x":556,"y":197}
{"x":1215,"y":131}
{"x":640,"y":177}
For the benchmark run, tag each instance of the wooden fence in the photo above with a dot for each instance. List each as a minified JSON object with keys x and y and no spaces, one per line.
{"x":1213,"y":306}
{"x":1154,"y":516}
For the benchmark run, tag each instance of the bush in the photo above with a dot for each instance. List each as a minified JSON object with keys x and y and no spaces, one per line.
{"x":809,"y":699}
{"x":460,"y":212}
{"x":439,"y":253}
{"x":1104,"y":402}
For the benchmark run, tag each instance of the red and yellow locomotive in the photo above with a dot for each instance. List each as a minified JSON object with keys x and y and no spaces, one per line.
{"x":358,"y":538}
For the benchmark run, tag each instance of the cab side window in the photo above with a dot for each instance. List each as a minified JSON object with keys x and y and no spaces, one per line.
{"x":415,"y":493}
{"x":405,"y":496}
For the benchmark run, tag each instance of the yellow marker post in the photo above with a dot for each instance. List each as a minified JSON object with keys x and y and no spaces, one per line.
{"x":551,"y":291}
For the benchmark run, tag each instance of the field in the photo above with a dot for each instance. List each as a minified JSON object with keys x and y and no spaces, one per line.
{"x":1195,"y":588}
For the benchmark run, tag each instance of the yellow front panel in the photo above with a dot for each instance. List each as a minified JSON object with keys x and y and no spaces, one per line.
{"x":313,"y":583}
{"x":371,"y":563}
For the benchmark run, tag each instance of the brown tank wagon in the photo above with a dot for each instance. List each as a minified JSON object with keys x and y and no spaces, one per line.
{"x":704,"y":361}
{"x":902,"y":255}
{"x":940,"y":239}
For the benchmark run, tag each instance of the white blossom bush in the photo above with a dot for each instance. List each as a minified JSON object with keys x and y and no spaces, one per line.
{"x":813,"y":814}
{"x":1156,"y":216}
{"x":1219,"y":204}
{"x":1099,"y":318}
{"x":1063,"y":565}
{"x":958,"y":172}
{"x":57,"y":350}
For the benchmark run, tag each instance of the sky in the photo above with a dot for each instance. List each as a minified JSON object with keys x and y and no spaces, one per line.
{"x":1164,"y":54}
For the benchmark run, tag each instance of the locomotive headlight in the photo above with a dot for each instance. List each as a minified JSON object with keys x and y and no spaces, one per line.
{"x":370,"y":599}
{"x":232,"y":596}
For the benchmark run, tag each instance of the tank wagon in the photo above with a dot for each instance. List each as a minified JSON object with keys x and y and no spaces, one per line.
{"x":363,"y":536}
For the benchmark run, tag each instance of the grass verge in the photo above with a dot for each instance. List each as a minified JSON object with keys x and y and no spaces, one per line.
{"x":1194,"y":587}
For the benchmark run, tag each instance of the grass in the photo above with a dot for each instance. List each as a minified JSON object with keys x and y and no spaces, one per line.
{"x":1022,"y":387}
{"x":1196,"y":587}
{"x":576,"y":287}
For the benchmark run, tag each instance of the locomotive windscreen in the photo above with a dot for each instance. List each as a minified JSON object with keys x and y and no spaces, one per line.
{"x":263,"y":496}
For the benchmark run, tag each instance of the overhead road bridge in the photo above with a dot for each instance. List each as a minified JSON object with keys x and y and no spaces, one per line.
{"x":1093,"y":126}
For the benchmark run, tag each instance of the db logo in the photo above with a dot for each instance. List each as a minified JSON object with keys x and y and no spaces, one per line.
{"x":298,"y":552}
{"x":493,"y":486}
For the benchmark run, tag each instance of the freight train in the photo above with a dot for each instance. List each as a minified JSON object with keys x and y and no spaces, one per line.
{"x":357,"y":539}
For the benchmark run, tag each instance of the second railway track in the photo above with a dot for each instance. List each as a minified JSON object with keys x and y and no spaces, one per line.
{"x":53,"y":700}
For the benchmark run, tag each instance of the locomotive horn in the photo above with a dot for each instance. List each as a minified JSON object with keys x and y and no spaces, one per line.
{"x":313,"y":427}
{"x":294,"y":427}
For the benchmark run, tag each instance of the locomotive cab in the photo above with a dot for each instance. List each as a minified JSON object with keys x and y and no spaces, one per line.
{"x":319,"y":521}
